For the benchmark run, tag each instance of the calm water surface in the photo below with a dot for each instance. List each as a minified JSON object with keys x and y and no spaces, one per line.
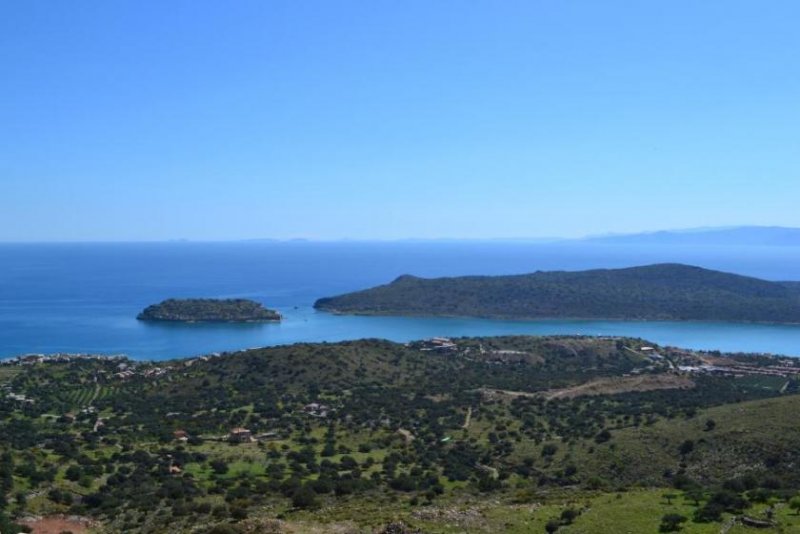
{"x":84,"y":297}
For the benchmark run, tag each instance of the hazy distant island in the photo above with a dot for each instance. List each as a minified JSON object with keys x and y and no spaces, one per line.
{"x":209,"y":311}
{"x":654,"y":292}
{"x":773,"y":236}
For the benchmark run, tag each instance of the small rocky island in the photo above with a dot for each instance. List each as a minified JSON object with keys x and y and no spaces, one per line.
{"x":209,"y":311}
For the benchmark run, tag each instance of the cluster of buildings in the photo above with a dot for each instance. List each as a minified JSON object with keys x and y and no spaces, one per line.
{"x":60,"y":357}
{"x":316,"y":409}
{"x":240,"y":435}
{"x":126,"y":372}
{"x":740,"y":369}
{"x":437,"y":344}
{"x":18,"y":397}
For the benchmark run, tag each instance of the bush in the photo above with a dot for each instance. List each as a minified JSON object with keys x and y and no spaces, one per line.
{"x":549,"y":449}
{"x":304,"y":497}
{"x":73,"y":473}
{"x":603,"y":436}
{"x":596,"y":483}
{"x":794,"y":504}
{"x":220,"y":511}
{"x":686,"y":447}
{"x":722,"y":501}
{"x":238,"y":513}
{"x":569,"y":515}
{"x":219,"y":466}
{"x":671,"y":523}
{"x":202,"y":508}
{"x":322,"y":485}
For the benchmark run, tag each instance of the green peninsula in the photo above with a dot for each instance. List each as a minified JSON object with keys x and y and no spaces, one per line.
{"x":653,"y":292}
{"x":209,"y":310}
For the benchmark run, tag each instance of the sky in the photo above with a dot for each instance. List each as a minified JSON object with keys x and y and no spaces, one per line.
{"x":327,"y":119}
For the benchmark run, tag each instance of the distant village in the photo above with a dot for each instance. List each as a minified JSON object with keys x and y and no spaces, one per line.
{"x":680,"y":360}
{"x":59,"y":357}
{"x":677,"y":360}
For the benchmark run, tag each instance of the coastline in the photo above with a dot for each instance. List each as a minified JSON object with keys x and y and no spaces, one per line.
{"x":546,"y":318}
{"x":208,"y":321}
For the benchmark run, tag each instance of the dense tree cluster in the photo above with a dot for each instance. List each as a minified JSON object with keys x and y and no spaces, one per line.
{"x":208,"y":310}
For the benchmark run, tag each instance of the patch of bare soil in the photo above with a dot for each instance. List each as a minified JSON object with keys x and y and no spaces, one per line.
{"x":469,"y":518}
{"x":407,"y":435}
{"x":489,"y":394}
{"x":56,"y":524}
{"x":622,"y":384}
{"x":276,"y":526}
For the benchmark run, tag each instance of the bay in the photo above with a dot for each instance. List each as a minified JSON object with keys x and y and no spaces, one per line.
{"x":84,"y":297}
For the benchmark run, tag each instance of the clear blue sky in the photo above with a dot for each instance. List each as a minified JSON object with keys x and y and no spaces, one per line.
{"x":391,"y":119}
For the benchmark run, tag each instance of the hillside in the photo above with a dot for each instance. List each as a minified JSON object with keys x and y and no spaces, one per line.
{"x":208,"y":310}
{"x":655,"y":292}
{"x":463,"y":435}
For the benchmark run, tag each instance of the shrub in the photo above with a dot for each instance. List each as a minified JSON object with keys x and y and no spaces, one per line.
{"x":304,"y":497}
{"x":671,"y":523}
{"x":569,"y":515}
{"x":549,"y":449}
{"x":603,"y":436}
{"x":552,"y":526}
{"x":219,"y":466}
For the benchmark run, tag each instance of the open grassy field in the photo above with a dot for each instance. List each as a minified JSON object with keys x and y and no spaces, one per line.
{"x":7,"y":373}
{"x":631,"y":512}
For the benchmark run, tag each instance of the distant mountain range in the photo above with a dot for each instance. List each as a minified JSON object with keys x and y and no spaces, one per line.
{"x":742,"y":235}
{"x":711,"y":236}
{"x":655,"y":292}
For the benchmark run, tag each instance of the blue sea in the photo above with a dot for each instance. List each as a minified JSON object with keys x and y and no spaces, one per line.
{"x":85,"y":297}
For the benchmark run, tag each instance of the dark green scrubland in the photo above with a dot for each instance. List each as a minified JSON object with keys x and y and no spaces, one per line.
{"x":655,"y":292}
{"x":464,"y":435}
{"x":208,"y":310}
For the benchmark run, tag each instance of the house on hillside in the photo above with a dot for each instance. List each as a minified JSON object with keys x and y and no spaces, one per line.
{"x":316,"y":409}
{"x":240,"y":435}
{"x":438,"y":344}
{"x":181,"y":435}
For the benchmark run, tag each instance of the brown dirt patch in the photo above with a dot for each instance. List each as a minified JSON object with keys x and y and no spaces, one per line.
{"x":58,"y":524}
{"x":622,"y":384}
{"x":469,"y":519}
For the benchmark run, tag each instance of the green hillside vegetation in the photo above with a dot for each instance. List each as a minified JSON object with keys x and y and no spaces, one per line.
{"x":371,"y":436}
{"x":655,"y":292}
{"x":208,"y":310}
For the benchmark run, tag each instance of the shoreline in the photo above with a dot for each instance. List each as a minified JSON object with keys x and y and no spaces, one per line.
{"x":547,"y":318}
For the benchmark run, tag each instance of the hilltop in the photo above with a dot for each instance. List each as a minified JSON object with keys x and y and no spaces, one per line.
{"x":208,"y":310}
{"x":654,"y":292}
